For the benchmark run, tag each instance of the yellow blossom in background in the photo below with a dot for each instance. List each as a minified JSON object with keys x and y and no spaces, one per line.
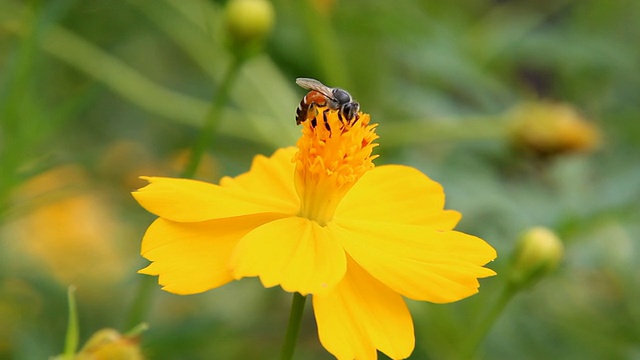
{"x":320,"y":219}
{"x":66,"y":228}
{"x":550,"y":128}
{"x":108,"y":344}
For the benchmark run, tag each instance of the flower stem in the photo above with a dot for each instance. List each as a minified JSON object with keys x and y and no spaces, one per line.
{"x":295,"y":319}
{"x":71,"y":339}
{"x":212,"y":118}
{"x":481,"y":330}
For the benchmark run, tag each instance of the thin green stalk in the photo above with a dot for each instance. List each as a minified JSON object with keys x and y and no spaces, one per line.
{"x":137,"y":330}
{"x":71,"y":339}
{"x":295,"y":319}
{"x":481,"y":330}
{"x":213,"y":117}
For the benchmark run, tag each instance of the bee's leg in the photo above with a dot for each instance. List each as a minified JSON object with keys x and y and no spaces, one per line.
{"x":326,"y":121}
{"x":311,"y":112}
{"x":355,"y":119}
{"x":299,"y":118}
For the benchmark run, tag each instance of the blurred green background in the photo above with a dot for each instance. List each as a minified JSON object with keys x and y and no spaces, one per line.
{"x":96,"y":93}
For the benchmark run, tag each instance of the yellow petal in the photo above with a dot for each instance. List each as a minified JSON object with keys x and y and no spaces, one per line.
{"x":361,"y":315}
{"x":185,"y":200}
{"x":194,"y":257}
{"x":417,"y":261}
{"x":397,"y":194}
{"x":295,"y":253}
{"x":272,"y":176}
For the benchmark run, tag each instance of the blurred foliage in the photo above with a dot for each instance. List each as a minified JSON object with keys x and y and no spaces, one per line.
{"x":96,"y":93}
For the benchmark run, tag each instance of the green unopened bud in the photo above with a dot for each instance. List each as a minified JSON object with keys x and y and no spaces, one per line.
{"x":248,"y":23}
{"x":539,"y":251}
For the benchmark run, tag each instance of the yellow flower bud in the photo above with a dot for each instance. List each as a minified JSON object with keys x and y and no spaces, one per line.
{"x":248,"y":21}
{"x":552,"y":129}
{"x":108,"y":344}
{"x":539,"y":251}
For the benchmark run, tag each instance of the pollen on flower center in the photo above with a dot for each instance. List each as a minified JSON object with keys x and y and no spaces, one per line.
{"x":333,"y":154}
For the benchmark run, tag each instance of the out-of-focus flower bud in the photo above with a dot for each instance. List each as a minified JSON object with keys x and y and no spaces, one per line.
{"x":552,"y":129}
{"x":538,"y":253}
{"x":248,"y":23}
{"x":108,"y":344}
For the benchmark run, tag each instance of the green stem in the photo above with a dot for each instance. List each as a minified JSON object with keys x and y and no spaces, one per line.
{"x":213,"y":117}
{"x":137,"y":330}
{"x":71,"y":339}
{"x":481,"y":330}
{"x":295,"y":319}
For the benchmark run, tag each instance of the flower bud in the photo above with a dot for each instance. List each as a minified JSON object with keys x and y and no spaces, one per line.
{"x":108,"y":344}
{"x":538,"y":253}
{"x":248,"y":22}
{"x":552,"y":129}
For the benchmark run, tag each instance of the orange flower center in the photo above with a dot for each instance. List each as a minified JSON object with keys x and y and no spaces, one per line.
{"x":333,"y":154}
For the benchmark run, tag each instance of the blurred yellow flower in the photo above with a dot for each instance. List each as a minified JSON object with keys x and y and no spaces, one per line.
{"x":320,"y":220}
{"x":67,"y":229}
{"x":108,"y":344}
{"x":550,"y":128}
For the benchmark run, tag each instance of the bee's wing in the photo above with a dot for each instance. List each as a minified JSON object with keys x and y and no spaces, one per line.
{"x":313,"y":84}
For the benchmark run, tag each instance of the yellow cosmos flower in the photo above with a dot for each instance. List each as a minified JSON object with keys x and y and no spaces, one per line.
{"x":320,"y":219}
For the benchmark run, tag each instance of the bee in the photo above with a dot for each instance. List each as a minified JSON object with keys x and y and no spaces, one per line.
{"x":322,"y":95}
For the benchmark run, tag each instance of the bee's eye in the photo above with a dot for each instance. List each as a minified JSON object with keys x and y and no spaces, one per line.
{"x":341,"y":96}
